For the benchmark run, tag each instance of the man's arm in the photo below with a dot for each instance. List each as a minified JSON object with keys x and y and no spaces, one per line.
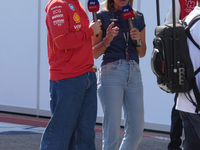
{"x":58,"y":22}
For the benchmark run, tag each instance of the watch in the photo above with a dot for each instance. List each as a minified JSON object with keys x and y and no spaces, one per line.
{"x":139,"y":43}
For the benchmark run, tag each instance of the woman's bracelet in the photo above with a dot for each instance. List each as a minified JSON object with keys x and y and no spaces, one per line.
{"x":104,"y":44}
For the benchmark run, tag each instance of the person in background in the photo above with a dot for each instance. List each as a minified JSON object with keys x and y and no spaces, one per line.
{"x":119,"y":82}
{"x":190,"y":119}
{"x":73,"y":98}
{"x":182,"y":9}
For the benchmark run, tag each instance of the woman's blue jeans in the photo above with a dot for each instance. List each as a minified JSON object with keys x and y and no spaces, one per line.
{"x":120,"y":86}
{"x":74,"y":108}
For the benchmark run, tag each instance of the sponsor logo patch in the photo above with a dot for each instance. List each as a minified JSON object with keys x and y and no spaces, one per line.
{"x":57,"y":11}
{"x":76,"y":18}
{"x":71,"y":7}
{"x":58,"y":22}
{"x":57,"y":16}
{"x":56,"y":7}
{"x":77,"y":27}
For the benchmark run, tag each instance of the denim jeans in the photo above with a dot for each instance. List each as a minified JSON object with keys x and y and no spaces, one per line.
{"x":191,"y":125}
{"x":120,"y":86}
{"x":74,"y":108}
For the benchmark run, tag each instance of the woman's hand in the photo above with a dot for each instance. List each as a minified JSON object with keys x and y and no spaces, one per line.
{"x":140,"y":38}
{"x":111,"y":32}
{"x":99,"y":44}
{"x":135,"y":34}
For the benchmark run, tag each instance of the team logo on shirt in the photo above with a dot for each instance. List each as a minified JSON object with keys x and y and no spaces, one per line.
{"x":189,"y":5}
{"x":71,"y":7}
{"x":76,"y":18}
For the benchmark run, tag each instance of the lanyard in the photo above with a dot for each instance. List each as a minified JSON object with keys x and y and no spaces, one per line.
{"x":126,"y":37}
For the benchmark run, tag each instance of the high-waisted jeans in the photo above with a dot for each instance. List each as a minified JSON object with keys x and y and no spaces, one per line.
{"x":120,"y":86}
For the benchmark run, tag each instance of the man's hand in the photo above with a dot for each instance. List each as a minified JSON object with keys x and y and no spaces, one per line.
{"x":96,"y":26}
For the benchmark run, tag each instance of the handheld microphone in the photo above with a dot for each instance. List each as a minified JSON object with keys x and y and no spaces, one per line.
{"x":93,"y":6}
{"x":128,"y":14}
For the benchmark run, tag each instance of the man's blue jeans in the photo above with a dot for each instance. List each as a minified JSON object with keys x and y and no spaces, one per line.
{"x":74,"y":108}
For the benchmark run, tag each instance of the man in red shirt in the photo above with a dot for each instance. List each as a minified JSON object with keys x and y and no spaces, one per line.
{"x":73,"y":99}
{"x":182,"y":9}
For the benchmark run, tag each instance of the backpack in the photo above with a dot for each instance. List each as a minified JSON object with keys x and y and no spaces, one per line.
{"x":170,"y":60}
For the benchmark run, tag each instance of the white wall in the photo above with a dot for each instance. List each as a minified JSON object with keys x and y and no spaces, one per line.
{"x":24,"y":85}
{"x":18,"y":57}
{"x":158,"y":104}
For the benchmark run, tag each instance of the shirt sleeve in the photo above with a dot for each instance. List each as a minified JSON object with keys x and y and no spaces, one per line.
{"x":142,"y":25}
{"x":99,"y":16}
{"x":139,"y":21}
{"x":168,"y":17}
{"x":58,"y":23}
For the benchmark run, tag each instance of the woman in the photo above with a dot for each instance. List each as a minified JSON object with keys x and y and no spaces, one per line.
{"x":119,"y":78}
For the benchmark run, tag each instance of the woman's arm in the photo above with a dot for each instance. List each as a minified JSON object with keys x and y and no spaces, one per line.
{"x":100,"y":44}
{"x":139,"y":37}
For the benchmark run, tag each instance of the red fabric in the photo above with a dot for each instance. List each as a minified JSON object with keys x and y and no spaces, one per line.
{"x":68,"y":39}
{"x":186,"y":7}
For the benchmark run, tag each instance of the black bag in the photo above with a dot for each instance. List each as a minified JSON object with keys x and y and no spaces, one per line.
{"x":170,"y":60}
{"x":173,"y":66}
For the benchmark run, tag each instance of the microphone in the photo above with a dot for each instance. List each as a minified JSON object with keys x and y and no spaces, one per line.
{"x":93,"y":6}
{"x":128,"y":14}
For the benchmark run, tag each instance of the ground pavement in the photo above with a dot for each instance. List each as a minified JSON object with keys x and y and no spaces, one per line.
{"x":18,"y":132}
